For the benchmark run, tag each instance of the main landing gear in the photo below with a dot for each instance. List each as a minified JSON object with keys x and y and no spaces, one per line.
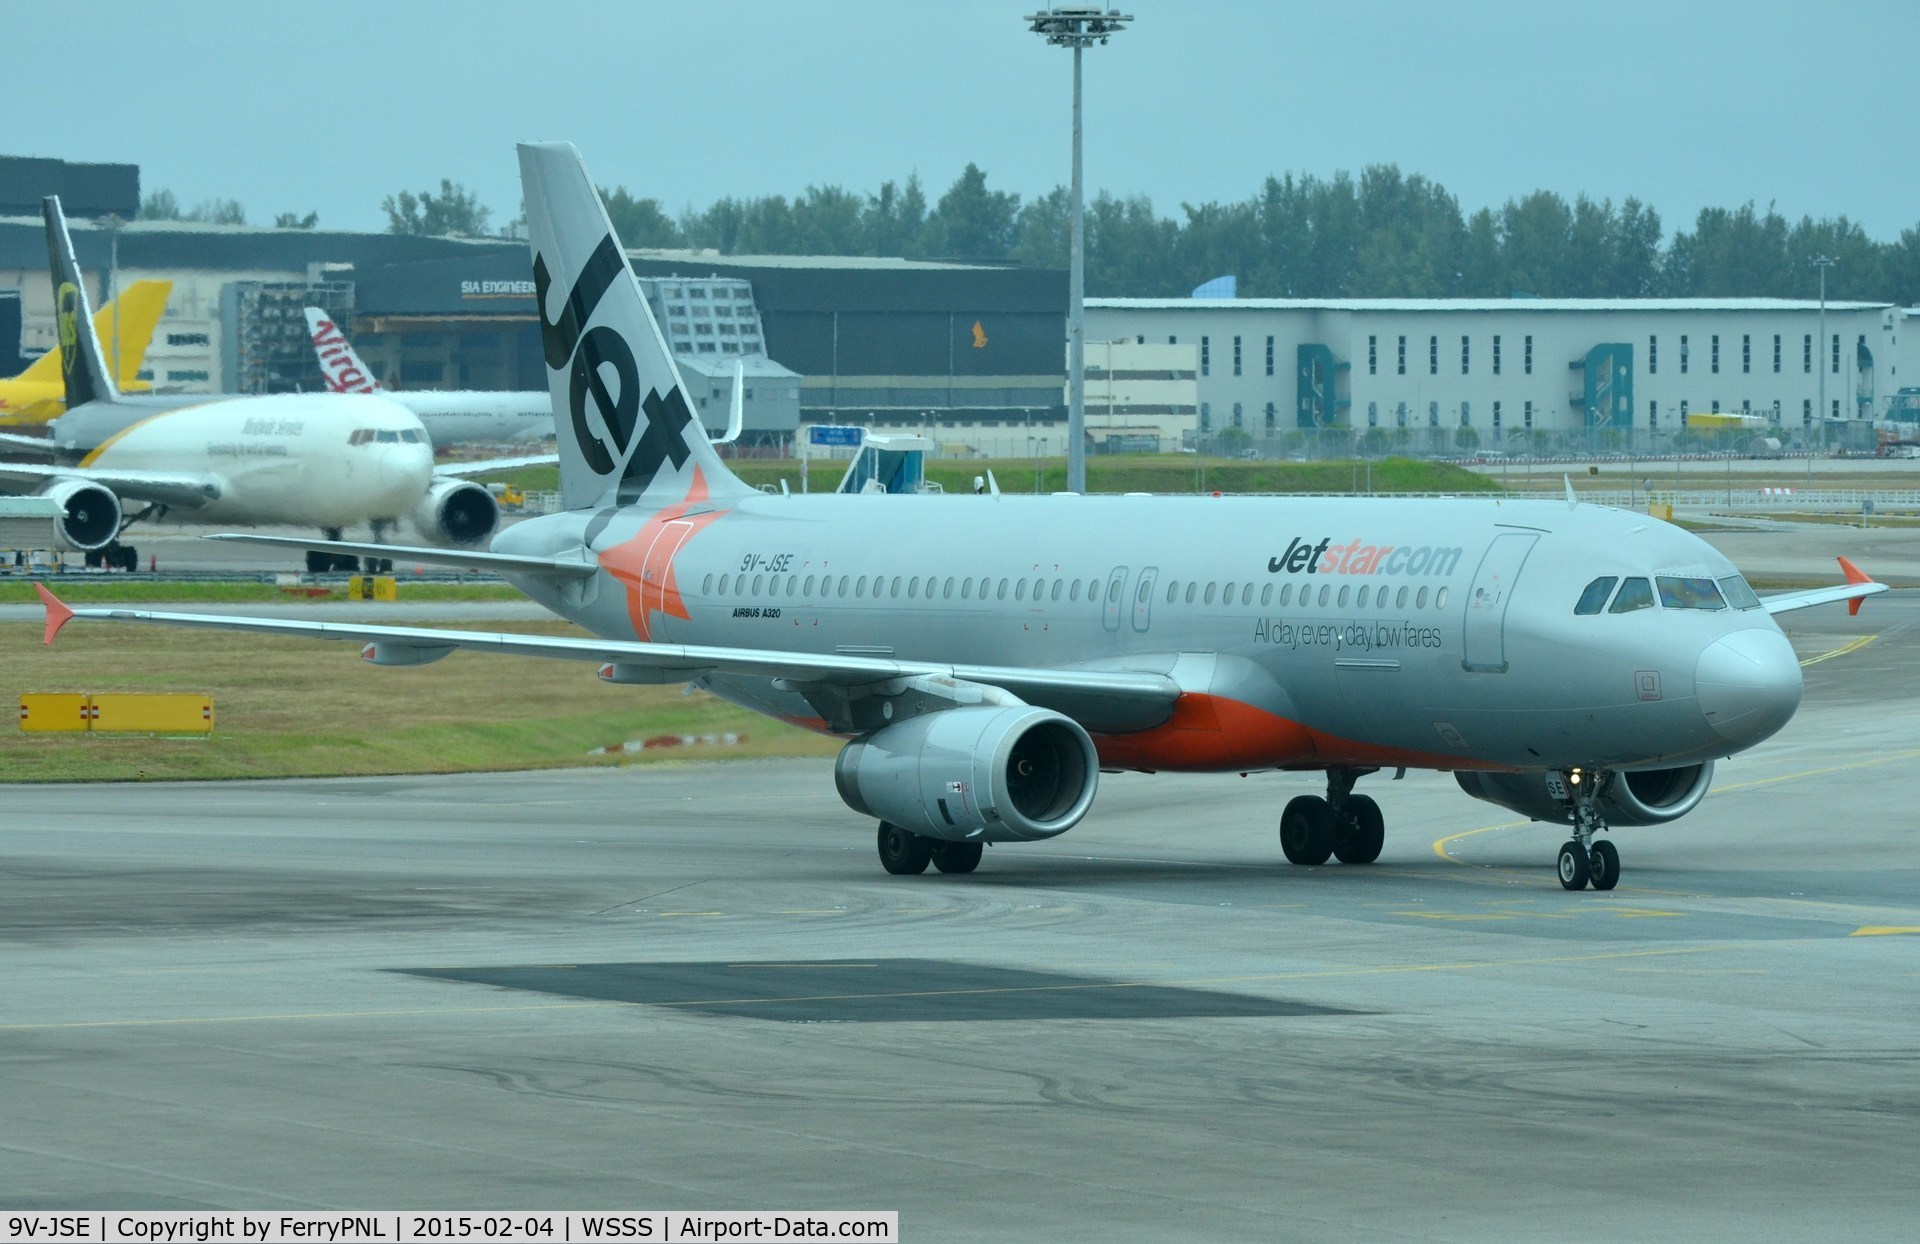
{"x":1583,"y":861}
{"x":905,"y":853}
{"x":1343,"y":825}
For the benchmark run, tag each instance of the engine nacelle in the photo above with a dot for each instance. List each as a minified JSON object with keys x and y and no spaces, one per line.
{"x":974,"y":774}
{"x":456,"y":512}
{"x":89,"y":514}
{"x":1641,"y":797}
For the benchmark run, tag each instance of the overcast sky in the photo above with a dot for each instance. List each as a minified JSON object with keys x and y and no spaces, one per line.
{"x":332,"y":106}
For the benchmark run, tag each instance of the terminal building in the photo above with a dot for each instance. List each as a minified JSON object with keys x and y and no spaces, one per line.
{"x":1437,"y":375}
{"x":952,"y":351}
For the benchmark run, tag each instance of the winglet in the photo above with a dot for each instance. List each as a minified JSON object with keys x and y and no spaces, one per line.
{"x":58,"y":615}
{"x":1854,"y":575}
{"x":1573,"y":502}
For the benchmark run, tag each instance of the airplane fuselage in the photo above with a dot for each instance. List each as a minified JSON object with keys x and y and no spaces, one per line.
{"x":305,"y":459}
{"x":1304,"y":632}
{"x":474,"y":417}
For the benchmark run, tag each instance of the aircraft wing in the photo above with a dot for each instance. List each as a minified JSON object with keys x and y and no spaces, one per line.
{"x":474,"y":559}
{"x":1857,"y":588}
{"x":461,"y":470}
{"x":181,"y":489}
{"x":38,"y":444}
{"x":1124,"y":699}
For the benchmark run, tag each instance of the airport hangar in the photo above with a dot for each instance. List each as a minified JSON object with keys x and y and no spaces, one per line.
{"x":945,"y":349}
{"x":1511,"y":370}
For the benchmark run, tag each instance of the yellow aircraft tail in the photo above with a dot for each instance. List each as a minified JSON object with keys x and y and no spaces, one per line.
{"x":138,"y":309}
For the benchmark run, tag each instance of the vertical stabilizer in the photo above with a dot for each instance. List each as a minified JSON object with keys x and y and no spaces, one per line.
{"x":82,"y":366}
{"x":339,"y":361}
{"x":627,"y":432}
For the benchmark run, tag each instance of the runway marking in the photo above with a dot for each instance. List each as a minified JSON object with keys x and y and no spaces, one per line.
{"x":690,"y":913}
{"x":1389,"y":969}
{"x":1694,"y":971}
{"x":802,"y":965}
{"x":1852,"y":645}
{"x":817,"y":911}
{"x":1884,"y":930}
{"x":1440,"y":844}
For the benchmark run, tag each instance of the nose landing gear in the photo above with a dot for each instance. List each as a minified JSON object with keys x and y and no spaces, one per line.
{"x":1584,"y":861}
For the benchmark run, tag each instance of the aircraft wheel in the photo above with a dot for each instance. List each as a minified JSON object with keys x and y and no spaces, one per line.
{"x":1574,"y":867}
{"x":957,"y":857}
{"x":1363,"y":835}
{"x":1306,"y":830}
{"x":1604,"y":864}
{"x":902,"y":852}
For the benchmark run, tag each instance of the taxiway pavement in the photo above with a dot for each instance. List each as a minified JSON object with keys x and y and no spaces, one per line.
{"x":693,"y":987}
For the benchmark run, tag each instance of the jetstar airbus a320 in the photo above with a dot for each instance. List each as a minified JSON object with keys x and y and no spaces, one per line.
{"x":988,"y":657}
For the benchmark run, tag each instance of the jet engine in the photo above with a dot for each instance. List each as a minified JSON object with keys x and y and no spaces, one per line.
{"x":456,"y":512}
{"x":1640,"y":797}
{"x":976,"y":774}
{"x":89,"y":514}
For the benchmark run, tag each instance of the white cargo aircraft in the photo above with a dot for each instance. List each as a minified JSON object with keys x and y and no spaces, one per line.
{"x":988,"y":658}
{"x":457,"y":417}
{"x":316,"y":460}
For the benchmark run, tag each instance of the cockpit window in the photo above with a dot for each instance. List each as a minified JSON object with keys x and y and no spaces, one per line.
{"x":411,"y":437}
{"x":361,"y":436}
{"x":387,"y":437}
{"x":1634,"y":594}
{"x":1739,"y":595}
{"x":1679,"y":593}
{"x":1594,"y":599}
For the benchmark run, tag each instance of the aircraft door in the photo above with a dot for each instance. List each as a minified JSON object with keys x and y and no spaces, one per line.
{"x":1143,"y":599}
{"x":1487,"y":601}
{"x":1116,"y":597}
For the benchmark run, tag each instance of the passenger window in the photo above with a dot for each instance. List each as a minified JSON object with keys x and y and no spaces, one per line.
{"x":913,"y":588}
{"x":809,"y":585}
{"x":966,"y":589}
{"x":723,"y":585}
{"x":1226,"y":596}
{"x":1634,"y":594}
{"x":893,"y":591}
{"x":1020,"y":590}
{"x":1266,"y":595}
{"x":1594,"y":599}
{"x":706,"y":587}
{"x":1002,"y":594}
{"x":1246,"y":594}
{"x":1286,"y":594}
{"x":1420,"y":599}
{"x":1679,"y":593}
{"x":1324,"y":590}
{"x":1113,"y":591}
{"x":1058,"y":584}
{"x":1211,"y":589}
{"x":1738,"y":593}
{"x":843,"y":585}
{"x":791,"y":580}
{"x":1145,"y":589}
{"x":1093,"y":590}
{"x":1073,"y":592}
{"x":1400,"y":599}
{"x":947,"y":594}
{"x":1039,"y":589}
{"x":1440,"y":599}
{"x":1173,"y":590}
{"x":1192,"y":589}
{"x":756,"y":584}
{"x":1344,"y":589}
{"x":984,"y":585}
{"x":1360,"y":602}
{"x":860,"y":586}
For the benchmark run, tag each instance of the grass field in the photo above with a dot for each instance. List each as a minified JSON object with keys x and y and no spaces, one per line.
{"x":300,"y":708}
{"x":83,"y":590}
{"x":1157,"y":473}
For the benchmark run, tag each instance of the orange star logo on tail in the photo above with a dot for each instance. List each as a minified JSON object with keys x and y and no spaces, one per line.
{"x":644,"y":564}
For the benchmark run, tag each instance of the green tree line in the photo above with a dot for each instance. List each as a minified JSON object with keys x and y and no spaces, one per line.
{"x":1382,"y":234}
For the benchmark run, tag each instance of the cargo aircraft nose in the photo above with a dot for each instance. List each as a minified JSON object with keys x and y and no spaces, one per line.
{"x":1748,"y":684}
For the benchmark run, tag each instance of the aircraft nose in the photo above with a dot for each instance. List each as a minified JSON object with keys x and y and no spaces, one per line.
{"x":1748,"y":684}
{"x":406,"y":467}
